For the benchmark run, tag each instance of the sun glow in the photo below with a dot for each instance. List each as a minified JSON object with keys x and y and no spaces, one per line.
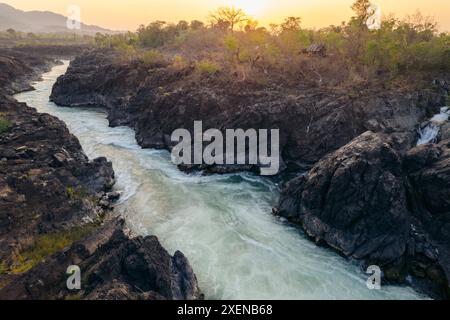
{"x":254,"y":8}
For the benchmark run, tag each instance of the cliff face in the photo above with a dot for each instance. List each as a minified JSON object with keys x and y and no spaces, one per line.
{"x":56,"y":211}
{"x":312,"y":121}
{"x":371,"y":194}
{"x":373,"y":202}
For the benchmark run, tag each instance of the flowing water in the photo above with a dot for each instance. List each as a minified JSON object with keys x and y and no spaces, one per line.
{"x":221,"y":223}
{"x":429,"y":133}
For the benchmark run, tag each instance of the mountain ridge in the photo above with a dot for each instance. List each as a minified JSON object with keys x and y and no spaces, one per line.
{"x":40,"y":22}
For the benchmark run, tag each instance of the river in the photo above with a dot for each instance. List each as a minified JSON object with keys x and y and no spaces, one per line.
{"x":223,"y":224}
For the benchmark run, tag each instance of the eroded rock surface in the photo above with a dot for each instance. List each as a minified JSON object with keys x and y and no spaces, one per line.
{"x":373,"y":202}
{"x":55,"y":211}
{"x":312,"y":121}
{"x":114,"y":266}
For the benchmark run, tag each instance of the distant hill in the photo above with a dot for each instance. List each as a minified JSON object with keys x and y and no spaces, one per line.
{"x":40,"y":22}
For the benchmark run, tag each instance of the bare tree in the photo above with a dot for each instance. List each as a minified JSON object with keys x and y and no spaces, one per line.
{"x":363,"y":11}
{"x":291,"y":24}
{"x":228,"y":15}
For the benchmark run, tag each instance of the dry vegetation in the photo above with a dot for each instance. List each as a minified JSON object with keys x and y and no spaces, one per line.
{"x":233,"y":45}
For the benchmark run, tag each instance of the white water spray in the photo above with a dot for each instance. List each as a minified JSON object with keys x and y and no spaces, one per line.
{"x":221,"y":223}
{"x":430,"y":133}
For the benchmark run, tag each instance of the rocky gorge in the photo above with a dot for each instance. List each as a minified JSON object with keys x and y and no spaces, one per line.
{"x":368,"y":191}
{"x":56,"y":209}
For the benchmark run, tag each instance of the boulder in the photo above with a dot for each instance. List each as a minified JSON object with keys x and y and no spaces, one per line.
{"x":114,"y":266}
{"x":355,"y":201}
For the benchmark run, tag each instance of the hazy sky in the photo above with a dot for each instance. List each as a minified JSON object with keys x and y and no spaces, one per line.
{"x":129,"y":14}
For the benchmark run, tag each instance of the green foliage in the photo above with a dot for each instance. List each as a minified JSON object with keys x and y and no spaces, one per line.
{"x":45,"y":246}
{"x":179,"y":62}
{"x":76,"y":193}
{"x":153,"y":59}
{"x":207,"y":67}
{"x":122,"y":42}
{"x":5,"y":125}
{"x":20,"y":39}
{"x":154,"y":35}
{"x":74,"y":297}
{"x":231,"y":43}
{"x":402,"y":47}
{"x":398,"y":48}
{"x":291,"y":24}
{"x":3,"y":268}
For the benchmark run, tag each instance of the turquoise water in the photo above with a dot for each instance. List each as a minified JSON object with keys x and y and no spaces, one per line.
{"x":221,"y":223}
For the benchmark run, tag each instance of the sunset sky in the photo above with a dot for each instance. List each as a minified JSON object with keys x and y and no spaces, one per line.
{"x":129,"y":14}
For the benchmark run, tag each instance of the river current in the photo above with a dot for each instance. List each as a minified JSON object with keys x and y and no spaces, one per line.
{"x":222,"y":223}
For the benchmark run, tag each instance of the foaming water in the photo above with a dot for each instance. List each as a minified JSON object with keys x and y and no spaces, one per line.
{"x":430,"y":133}
{"x":221,"y":223}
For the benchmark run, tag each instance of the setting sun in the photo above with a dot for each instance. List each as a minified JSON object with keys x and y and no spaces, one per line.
{"x":253,"y":8}
{"x":128,"y":15}
{"x":224,"y":151}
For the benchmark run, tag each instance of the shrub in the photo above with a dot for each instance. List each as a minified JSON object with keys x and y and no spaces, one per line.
{"x":76,"y":194}
{"x":207,"y":67}
{"x":179,"y":62}
{"x":5,"y":125}
{"x":127,"y":51}
{"x":231,"y":43}
{"x":3,"y":268}
{"x":45,"y":246}
{"x":153,"y":59}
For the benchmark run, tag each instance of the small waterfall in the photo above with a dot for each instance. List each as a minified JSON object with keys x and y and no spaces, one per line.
{"x":430,"y":133}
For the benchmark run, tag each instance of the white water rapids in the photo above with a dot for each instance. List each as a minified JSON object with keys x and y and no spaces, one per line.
{"x":222,"y":224}
{"x":429,"y":133}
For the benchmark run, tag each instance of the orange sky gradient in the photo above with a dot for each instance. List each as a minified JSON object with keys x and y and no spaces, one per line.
{"x":129,"y":14}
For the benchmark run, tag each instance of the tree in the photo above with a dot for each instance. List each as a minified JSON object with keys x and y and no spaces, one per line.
{"x":229,"y":15}
{"x":291,"y":24}
{"x":12,"y":33}
{"x":251,"y":25}
{"x":153,"y":35}
{"x":363,"y":10}
{"x":274,"y":29}
{"x":182,"y":25}
{"x":197,"y":25}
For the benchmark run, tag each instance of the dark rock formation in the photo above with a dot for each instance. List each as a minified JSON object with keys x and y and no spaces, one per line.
{"x":45,"y":178}
{"x":52,"y":196}
{"x":349,"y":196}
{"x":159,"y":100}
{"x":361,"y":201}
{"x":113,"y":267}
{"x":19,"y":68}
{"x":368,"y":197}
{"x":428,"y":167}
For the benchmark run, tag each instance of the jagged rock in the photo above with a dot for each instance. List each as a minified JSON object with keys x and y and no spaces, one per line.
{"x":429,"y":173}
{"x":372,"y":202}
{"x":314,"y":123}
{"x":113,"y":196}
{"x":429,"y":167}
{"x":114,"y":266}
{"x":354,"y":200}
{"x":445,"y":132}
{"x":49,"y":187}
{"x":48,"y":181}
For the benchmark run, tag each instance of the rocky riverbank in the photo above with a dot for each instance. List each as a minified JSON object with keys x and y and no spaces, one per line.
{"x":56,"y":211}
{"x":371,"y":194}
{"x":313,"y":120}
{"x":374,"y":202}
